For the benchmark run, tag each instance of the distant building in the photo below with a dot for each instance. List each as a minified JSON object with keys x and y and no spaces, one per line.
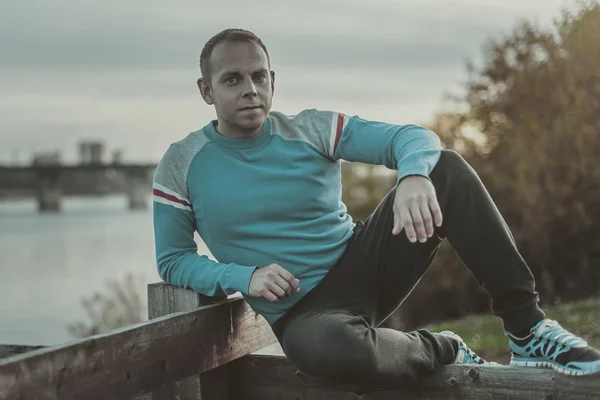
{"x":46,"y":158}
{"x":96,"y":152}
{"x":117,"y":157}
{"x":84,"y":153}
{"x":91,"y":152}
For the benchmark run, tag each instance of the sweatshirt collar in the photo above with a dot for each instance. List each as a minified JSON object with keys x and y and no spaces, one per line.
{"x":238,"y":143}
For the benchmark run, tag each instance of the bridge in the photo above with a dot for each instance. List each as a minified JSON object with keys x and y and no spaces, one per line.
{"x":49,"y":183}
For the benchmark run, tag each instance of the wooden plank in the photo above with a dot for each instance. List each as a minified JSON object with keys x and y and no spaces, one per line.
{"x":165,"y":299}
{"x":139,"y":358}
{"x":7,"y":350}
{"x":274,"y":377}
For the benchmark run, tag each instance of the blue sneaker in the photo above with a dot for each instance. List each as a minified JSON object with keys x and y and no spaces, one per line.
{"x":464,"y":355}
{"x":549,"y":345}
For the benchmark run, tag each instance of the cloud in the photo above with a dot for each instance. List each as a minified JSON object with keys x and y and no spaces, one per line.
{"x":151,"y":34}
{"x":126,"y":71}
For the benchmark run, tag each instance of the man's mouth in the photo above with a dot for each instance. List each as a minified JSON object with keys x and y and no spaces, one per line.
{"x":250,"y":108}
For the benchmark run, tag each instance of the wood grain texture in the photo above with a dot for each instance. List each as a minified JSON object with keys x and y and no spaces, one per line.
{"x":164,"y":299}
{"x":273,"y":377}
{"x":8,"y":350}
{"x":136,"y":359}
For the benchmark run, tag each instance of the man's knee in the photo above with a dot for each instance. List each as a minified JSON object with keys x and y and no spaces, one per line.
{"x":334,"y":349}
{"x":450,"y":157}
{"x":453,"y":164}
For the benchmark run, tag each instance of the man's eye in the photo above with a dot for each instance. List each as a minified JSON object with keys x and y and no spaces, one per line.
{"x":260,"y":77}
{"x":231,"y":80}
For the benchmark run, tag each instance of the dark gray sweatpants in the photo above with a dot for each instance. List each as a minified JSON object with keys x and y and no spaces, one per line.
{"x":334,"y":330}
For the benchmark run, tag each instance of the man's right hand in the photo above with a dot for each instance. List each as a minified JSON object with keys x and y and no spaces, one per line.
{"x":273,"y":282}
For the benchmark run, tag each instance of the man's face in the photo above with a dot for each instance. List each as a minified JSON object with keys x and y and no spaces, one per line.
{"x":241,"y":87}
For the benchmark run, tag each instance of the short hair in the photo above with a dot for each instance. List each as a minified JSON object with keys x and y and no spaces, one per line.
{"x":232,"y":34}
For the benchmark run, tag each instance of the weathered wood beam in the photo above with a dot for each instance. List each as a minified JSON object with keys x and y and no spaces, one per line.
{"x":166,"y":299}
{"x":137,"y":358}
{"x":275,"y":377}
{"x":7,"y":350}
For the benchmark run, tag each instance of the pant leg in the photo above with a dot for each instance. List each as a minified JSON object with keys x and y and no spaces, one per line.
{"x":379,"y":270}
{"x":332,"y":331}
{"x":479,"y":235}
{"x":342,"y":346}
{"x":483,"y":241}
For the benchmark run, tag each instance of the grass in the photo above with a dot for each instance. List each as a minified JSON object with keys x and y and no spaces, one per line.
{"x":485,"y":335}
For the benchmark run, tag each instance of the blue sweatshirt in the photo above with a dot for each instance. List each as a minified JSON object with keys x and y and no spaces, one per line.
{"x":274,"y":198}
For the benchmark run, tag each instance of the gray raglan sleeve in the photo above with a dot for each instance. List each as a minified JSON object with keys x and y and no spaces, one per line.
{"x":177,"y":255}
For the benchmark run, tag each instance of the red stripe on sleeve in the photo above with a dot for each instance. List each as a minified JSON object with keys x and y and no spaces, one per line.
{"x":338,"y":132}
{"x":162,"y":194}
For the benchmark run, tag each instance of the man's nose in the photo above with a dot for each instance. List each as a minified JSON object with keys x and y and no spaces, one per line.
{"x":250,"y":89}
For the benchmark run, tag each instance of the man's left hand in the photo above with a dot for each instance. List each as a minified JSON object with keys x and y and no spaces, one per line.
{"x":416,"y":208}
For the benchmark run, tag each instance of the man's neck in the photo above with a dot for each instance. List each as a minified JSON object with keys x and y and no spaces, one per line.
{"x":227,"y":130}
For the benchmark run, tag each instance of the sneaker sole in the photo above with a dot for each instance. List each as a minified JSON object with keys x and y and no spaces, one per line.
{"x":550,"y":364}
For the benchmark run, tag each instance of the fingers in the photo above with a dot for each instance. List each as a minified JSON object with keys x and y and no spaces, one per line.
{"x":289,"y":278}
{"x":407,"y":223}
{"x":277,"y":290}
{"x":272,"y":292}
{"x":418,"y":217}
{"x":417,"y":220}
{"x":397,"y":223}
{"x":435,"y":209}
{"x":275,"y":283}
{"x":269,"y":295}
{"x":284,"y":285}
{"x":416,"y":209}
{"x":296,"y":285}
{"x":427,"y":218}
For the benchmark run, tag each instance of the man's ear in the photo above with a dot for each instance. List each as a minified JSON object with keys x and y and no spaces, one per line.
{"x":206,"y":91}
{"x":272,"y":83}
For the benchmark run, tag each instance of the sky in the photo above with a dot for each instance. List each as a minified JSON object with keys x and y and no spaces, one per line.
{"x":125,"y":71}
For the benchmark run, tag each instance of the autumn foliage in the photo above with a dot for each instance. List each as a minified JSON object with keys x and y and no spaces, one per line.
{"x":529,"y":124}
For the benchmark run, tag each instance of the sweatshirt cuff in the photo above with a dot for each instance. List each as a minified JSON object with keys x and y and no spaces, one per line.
{"x":237,"y":277}
{"x":408,"y":169}
{"x":421,"y":163}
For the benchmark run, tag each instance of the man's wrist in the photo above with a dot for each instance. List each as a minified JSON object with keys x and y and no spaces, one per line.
{"x":407,"y":176}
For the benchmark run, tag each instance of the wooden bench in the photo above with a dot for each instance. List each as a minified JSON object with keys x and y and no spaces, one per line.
{"x":195,"y":347}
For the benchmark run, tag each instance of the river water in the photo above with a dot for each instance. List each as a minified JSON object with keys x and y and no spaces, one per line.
{"x":49,"y":262}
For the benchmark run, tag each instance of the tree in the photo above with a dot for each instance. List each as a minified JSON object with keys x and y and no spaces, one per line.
{"x":530,"y":126}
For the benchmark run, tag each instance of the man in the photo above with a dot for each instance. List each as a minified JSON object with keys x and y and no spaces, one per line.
{"x":263,"y":190}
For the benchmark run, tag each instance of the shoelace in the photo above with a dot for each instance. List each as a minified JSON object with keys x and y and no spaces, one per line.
{"x":559,"y":338}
